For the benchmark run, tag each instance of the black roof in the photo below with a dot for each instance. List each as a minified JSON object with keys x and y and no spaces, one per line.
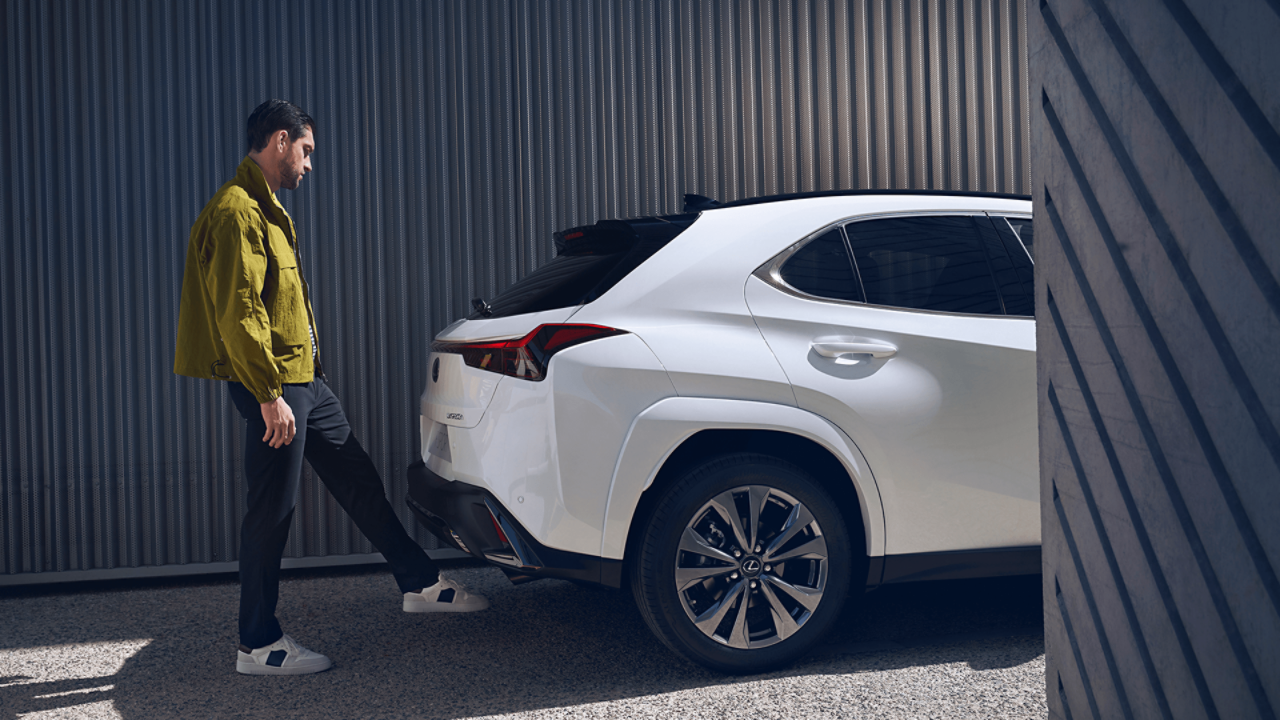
{"x":701,"y":203}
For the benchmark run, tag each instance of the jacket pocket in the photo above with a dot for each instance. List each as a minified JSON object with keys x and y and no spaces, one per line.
{"x":288,"y":309}
{"x":285,"y":303}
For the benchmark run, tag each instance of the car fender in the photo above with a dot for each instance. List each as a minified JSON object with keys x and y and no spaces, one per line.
{"x":665,"y":425}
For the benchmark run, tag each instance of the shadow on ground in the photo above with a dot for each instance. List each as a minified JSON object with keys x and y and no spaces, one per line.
{"x":542,"y":645}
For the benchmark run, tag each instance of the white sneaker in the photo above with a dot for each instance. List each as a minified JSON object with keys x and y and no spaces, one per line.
{"x":445,"y":596}
{"x":282,"y":657}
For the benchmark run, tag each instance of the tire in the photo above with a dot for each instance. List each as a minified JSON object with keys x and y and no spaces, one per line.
{"x":789,"y":606}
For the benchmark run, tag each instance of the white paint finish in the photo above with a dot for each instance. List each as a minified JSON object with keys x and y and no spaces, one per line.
{"x":600,"y":386}
{"x":503,"y":328}
{"x":513,"y":452}
{"x":686,"y":301}
{"x":555,"y":443}
{"x":460,"y":393}
{"x":948,"y":410}
{"x":662,"y":428}
{"x":948,"y":422}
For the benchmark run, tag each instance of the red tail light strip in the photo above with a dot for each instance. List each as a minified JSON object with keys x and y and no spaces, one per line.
{"x":526,"y":357}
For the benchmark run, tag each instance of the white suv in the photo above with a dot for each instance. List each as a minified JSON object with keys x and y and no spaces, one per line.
{"x":747,"y":410}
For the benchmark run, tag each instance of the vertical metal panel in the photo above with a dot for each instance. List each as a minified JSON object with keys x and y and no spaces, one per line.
{"x":1158,"y":286}
{"x":453,"y":138}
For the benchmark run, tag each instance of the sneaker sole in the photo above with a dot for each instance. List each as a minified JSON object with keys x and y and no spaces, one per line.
{"x":252,"y":668}
{"x":422,"y":606}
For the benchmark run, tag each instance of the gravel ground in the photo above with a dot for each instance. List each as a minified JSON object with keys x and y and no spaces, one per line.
{"x":550,"y":649}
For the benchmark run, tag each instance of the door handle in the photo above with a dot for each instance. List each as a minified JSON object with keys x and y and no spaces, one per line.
{"x":843,"y":348}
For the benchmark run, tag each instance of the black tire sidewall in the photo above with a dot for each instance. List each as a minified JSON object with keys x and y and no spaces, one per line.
{"x":656,"y":567}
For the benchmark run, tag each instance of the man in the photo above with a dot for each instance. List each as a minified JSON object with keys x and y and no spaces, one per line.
{"x":246,"y":318}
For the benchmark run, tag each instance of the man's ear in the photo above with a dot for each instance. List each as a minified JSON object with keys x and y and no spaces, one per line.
{"x":282,"y":139}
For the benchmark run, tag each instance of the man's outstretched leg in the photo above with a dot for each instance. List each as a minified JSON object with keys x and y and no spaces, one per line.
{"x":348,"y":472}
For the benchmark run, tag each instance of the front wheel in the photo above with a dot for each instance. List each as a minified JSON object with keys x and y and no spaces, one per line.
{"x":744,"y":564}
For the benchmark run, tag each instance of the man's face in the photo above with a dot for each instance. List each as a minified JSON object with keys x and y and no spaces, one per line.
{"x":296,"y":160}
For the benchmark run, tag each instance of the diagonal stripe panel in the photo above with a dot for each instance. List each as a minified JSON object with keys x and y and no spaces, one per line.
{"x":1154,"y":182}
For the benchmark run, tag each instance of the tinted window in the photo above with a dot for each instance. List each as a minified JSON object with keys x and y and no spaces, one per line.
{"x":1023,"y":229}
{"x":1017,"y":297}
{"x":560,"y":283}
{"x":1019,"y":301}
{"x":822,"y":268}
{"x":924,"y":263}
{"x":589,"y":260}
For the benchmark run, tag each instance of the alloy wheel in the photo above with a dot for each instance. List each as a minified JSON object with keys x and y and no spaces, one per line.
{"x":751,"y":567}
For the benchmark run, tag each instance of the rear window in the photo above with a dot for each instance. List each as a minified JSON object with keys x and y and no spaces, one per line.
{"x":589,"y":260}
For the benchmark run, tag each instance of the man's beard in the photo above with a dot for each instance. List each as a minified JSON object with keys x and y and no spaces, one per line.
{"x":290,"y":176}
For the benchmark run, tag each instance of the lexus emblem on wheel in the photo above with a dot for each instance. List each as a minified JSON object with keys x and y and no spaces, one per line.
{"x":751,"y":566}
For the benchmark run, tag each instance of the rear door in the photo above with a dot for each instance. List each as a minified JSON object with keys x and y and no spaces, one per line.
{"x":896,"y":328}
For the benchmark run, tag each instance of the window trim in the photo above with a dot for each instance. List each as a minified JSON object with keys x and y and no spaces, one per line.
{"x":1021,"y":216}
{"x":771,"y":271}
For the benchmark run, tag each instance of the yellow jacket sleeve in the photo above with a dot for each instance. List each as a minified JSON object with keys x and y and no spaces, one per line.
{"x":234,"y":262}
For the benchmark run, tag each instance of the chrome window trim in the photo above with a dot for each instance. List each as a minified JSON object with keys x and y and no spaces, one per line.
{"x":1024,"y":216}
{"x":771,"y":271}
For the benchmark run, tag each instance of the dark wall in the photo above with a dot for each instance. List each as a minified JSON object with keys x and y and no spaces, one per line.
{"x":1156,"y":178}
{"x":453,"y":138}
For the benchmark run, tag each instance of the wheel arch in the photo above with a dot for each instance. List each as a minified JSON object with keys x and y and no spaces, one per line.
{"x":675,"y":434}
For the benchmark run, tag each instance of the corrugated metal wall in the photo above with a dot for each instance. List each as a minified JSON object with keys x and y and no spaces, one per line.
{"x":1157,"y":177}
{"x":453,"y":138}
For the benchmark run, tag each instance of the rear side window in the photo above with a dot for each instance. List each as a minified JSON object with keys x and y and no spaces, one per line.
{"x":589,"y":260}
{"x":924,"y":263}
{"x":1019,"y":299}
{"x":1022,"y":228}
{"x":822,"y":268}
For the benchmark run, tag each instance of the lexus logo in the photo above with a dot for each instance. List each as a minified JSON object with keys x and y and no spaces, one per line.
{"x":751,"y":566}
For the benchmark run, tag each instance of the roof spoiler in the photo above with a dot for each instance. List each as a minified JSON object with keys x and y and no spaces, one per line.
{"x":697,"y":203}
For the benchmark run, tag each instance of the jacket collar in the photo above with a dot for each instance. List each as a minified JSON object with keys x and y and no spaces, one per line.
{"x":250,"y":177}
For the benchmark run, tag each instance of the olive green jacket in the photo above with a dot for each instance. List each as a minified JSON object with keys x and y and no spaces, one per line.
{"x":246,"y":313}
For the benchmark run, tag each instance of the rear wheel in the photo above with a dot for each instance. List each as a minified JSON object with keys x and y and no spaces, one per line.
{"x":744,"y":564}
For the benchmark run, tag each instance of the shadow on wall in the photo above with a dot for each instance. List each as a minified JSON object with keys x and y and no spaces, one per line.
{"x":170,"y":651}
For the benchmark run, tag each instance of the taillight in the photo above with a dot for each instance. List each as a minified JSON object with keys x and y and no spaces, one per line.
{"x":526,"y":357}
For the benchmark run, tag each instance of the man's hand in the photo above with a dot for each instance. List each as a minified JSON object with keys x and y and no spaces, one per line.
{"x":279,"y":419}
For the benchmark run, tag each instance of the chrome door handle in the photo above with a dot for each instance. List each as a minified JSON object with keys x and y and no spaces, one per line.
{"x":849,"y":348}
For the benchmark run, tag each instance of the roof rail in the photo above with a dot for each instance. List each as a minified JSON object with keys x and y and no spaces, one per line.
{"x":841,"y":193}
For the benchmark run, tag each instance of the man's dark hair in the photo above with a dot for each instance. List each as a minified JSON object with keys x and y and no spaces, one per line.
{"x":273,"y":116}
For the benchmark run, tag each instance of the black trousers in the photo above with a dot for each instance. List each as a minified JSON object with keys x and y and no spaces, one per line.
{"x":273,"y":475}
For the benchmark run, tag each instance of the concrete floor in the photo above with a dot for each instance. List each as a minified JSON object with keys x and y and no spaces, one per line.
{"x":152,"y":649}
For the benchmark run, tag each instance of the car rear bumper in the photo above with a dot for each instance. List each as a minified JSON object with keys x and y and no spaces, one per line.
{"x":472,"y":520}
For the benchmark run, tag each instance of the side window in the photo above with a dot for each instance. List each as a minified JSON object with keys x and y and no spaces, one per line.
{"x":924,"y":263}
{"x":1022,"y":228}
{"x":1017,"y":296}
{"x":1022,"y":266}
{"x":822,"y":268}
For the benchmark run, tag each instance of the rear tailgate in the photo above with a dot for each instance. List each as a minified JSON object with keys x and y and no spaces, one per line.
{"x":458,"y":394}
